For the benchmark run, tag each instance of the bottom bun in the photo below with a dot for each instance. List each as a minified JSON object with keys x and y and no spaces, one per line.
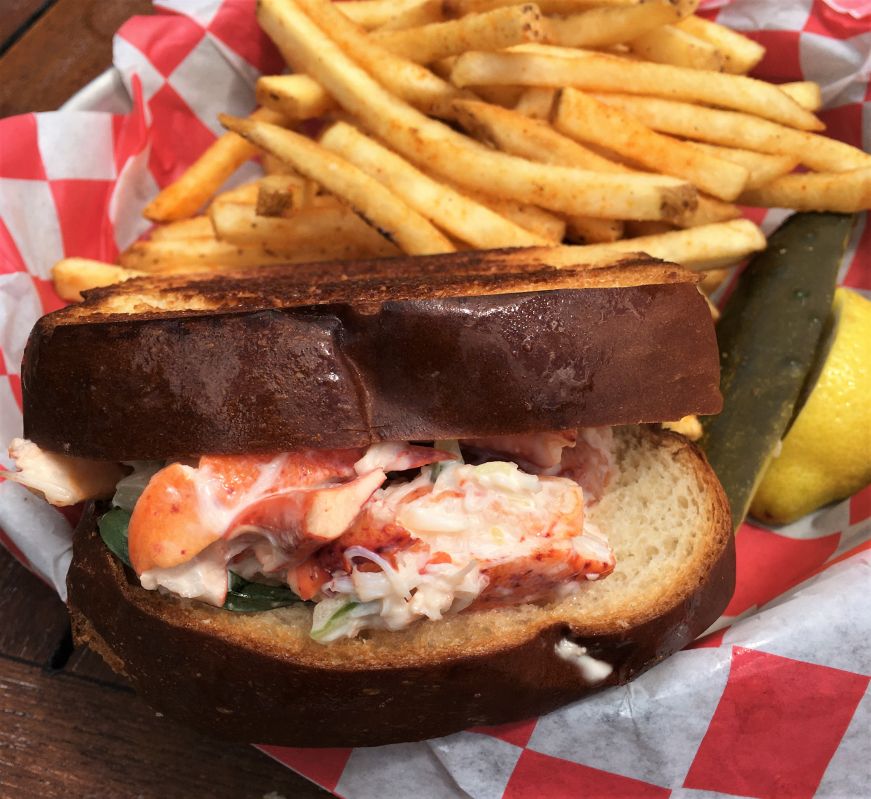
{"x":259,"y":678}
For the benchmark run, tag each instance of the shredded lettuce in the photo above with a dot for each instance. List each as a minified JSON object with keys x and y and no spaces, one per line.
{"x":448,"y":445}
{"x":130,"y":488}
{"x":339,"y":617}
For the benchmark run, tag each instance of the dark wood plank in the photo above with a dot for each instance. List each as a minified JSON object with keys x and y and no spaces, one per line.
{"x":62,"y":737}
{"x":16,"y":14}
{"x":89,"y":665}
{"x":33,"y":620}
{"x":68,"y":46}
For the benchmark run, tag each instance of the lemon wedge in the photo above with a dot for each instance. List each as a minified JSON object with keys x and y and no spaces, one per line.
{"x":826,"y":454}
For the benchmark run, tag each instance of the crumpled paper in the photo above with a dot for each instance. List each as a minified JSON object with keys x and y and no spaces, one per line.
{"x":773,"y":703}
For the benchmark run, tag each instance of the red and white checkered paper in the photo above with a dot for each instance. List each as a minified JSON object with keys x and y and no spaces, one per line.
{"x":775,"y":704}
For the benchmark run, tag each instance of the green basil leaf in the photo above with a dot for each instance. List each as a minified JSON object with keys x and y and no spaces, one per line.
{"x":113,"y":531}
{"x":247,"y":597}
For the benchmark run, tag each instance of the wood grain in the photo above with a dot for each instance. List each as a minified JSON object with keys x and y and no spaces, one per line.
{"x":16,"y":14}
{"x":68,"y":46}
{"x":32,"y":618}
{"x":62,"y":737}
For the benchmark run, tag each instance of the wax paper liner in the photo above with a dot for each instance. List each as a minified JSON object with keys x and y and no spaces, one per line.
{"x":773,"y":704}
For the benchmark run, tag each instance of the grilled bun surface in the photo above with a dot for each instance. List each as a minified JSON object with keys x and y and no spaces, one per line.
{"x":344,"y":355}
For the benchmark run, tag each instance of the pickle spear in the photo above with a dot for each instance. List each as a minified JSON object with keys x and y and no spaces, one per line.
{"x":768,"y":336}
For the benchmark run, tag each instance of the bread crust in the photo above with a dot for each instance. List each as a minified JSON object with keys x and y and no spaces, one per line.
{"x":191,"y":666}
{"x":268,"y":372}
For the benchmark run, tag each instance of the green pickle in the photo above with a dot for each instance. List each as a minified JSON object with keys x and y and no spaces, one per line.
{"x":768,"y":335}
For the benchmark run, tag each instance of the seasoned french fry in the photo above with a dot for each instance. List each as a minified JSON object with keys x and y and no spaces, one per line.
{"x":733,"y":129}
{"x":407,"y":80}
{"x":672,"y":45}
{"x":454,"y":213}
{"x":635,"y":229}
{"x":805,"y":92}
{"x":763,"y":167}
{"x":708,"y":211}
{"x":424,"y":13}
{"x":842,"y":192}
{"x":586,"y":230}
{"x":699,"y":248}
{"x":439,"y":148}
{"x":72,"y":276}
{"x":536,"y":103}
{"x":493,"y":30}
{"x":537,"y":141}
{"x":514,"y":133}
{"x":185,"y":196}
{"x":458,"y":8}
{"x":582,"y":117}
{"x":376,"y":204}
{"x":246,"y":193}
{"x":333,"y":232}
{"x":371,"y":14}
{"x":608,"y":73}
{"x":279,"y":195}
{"x":294,"y":96}
{"x":713,"y":279}
{"x":197,"y":227}
{"x":536,"y":220}
{"x":600,"y":27}
{"x":740,"y":54}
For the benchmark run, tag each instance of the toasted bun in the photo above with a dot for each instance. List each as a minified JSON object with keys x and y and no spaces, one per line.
{"x":260,"y":678}
{"x":451,"y":346}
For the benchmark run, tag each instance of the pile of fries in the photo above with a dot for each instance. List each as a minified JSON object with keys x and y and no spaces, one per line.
{"x":587,"y":127}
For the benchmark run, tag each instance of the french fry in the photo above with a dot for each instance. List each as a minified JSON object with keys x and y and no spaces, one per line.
{"x":740,"y":54}
{"x":672,"y":45}
{"x":454,"y":213}
{"x":544,"y":224}
{"x":333,"y":232}
{"x":439,"y":148}
{"x":805,"y":92}
{"x":733,"y":129}
{"x":197,"y":227}
{"x":763,"y":167}
{"x":536,"y":140}
{"x":493,"y":30}
{"x":708,"y":211}
{"x":841,"y":192}
{"x":713,"y":279}
{"x":376,"y":204}
{"x":279,"y":195}
{"x":459,"y":8}
{"x":582,"y":117}
{"x":407,"y":80}
{"x":186,"y":195}
{"x":699,"y":248}
{"x":246,"y":193}
{"x":72,"y":276}
{"x":424,"y":13}
{"x":514,"y":133}
{"x":608,"y":73}
{"x":294,"y":96}
{"x":372,"y":14}
{"x":600,"y":27}
{"x":587,"y":230}
{"x":535,"y":103}
{"x":634,"y":229}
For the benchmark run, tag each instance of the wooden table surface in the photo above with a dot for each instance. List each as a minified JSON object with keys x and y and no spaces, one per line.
{"x":69,"y":727}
